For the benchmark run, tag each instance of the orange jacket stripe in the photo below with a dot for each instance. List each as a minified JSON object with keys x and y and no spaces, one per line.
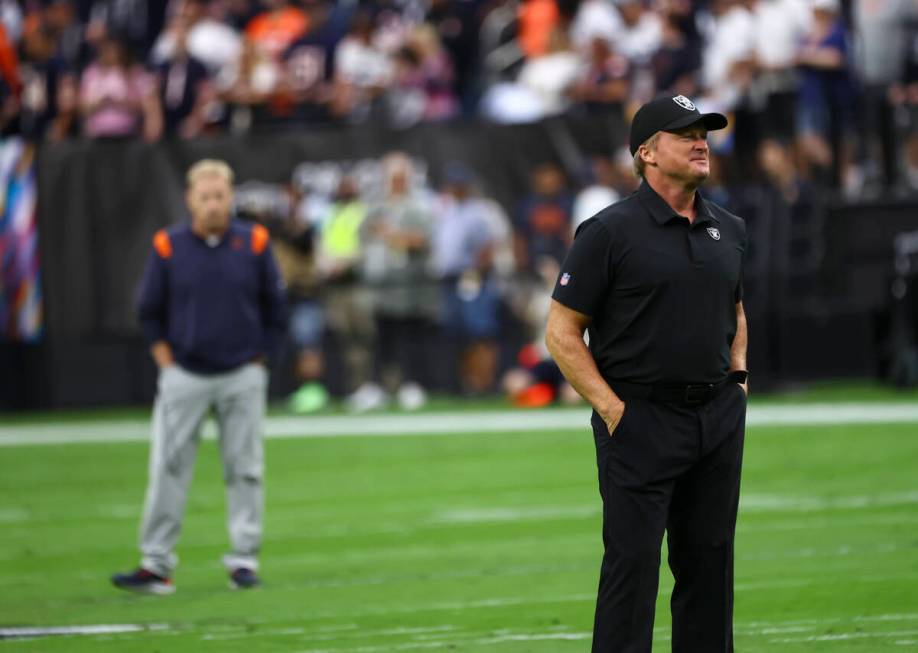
{"x":162,"y":244}
{"x":259,"y":239}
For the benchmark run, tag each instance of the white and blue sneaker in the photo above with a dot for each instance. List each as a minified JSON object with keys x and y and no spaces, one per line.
{"x":144,"y":581}
{"x":243,"y":579}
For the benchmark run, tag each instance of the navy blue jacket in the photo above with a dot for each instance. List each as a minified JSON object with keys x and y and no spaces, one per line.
{"x":217,"y":307}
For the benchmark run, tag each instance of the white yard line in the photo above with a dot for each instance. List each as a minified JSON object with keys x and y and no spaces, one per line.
{"x":93,"y":629}
{"x":661,"y":634}
{"x":749,"y":503}
{"x":795,"y":631}
{"x":447,"y":423}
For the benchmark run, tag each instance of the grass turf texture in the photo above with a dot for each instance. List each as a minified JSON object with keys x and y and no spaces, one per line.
{"x":480,"y":542}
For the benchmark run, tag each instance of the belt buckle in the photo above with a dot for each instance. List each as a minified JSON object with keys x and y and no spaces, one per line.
{"x":698,"y":394}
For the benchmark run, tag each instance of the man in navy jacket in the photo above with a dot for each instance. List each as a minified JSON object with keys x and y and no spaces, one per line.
{"x":211,"y":304}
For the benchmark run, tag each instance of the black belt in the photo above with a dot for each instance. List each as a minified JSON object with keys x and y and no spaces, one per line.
{"x":688,"y":394}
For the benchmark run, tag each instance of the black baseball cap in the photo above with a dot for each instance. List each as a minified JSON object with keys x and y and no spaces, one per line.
{"x":669,"y":113}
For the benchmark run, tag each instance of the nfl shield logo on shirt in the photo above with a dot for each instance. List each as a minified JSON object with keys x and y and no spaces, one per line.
{"x":565,"y":279}
{"x":714,"y":233}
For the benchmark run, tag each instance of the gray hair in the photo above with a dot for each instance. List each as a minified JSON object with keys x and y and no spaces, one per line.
{"x":638,"y":164}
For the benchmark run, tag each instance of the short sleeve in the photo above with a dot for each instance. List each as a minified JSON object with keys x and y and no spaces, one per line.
{"x":585,"y":274}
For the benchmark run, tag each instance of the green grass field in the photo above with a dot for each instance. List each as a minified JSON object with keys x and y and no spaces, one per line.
{"x":477,"y":542}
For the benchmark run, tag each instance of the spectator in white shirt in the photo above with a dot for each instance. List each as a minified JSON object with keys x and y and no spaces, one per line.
{"x":642,"y":32}
{"x":210,"y":41}
{"x":362,"y":71}
{"x":595,"y":19}
{"x":551,"y":76}
{"x":727,"y":59}
{"x":779,"y":28}
{"x":598,"y":194}
{"x":880,"y":44}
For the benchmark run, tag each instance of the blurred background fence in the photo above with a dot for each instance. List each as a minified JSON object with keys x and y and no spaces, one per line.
{"x":826,"y":294}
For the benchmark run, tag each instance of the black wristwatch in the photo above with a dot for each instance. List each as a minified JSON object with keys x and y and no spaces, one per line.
{"x":739,"y":376}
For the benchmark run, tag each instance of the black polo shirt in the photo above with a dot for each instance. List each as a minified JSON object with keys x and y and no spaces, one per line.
{"x":661,"y":291}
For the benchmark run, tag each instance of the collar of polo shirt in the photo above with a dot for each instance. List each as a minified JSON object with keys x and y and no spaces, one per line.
{"x":663,"y":212}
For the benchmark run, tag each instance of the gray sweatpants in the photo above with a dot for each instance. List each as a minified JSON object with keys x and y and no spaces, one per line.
{"x":183,"y":401}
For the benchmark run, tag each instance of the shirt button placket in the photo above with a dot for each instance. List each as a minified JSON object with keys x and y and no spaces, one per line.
{"x":699,"y":233}
{"x":692,"y":246}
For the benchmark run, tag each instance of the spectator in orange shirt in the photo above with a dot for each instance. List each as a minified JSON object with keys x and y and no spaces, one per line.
{"x":537,"y":20}
{"x":275,"y":29}
{"x":9,"y":62}
{"x":9,"y":82}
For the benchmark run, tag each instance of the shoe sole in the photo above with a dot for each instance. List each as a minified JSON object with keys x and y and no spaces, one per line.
{"x":157,"y":589}
{"x":236,"y":586}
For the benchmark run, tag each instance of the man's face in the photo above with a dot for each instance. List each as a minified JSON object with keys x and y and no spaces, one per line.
{"x":398,"y":182}
{"x":458,"y":190}
{"x":683,"y":154}
{"x":210,"y":199}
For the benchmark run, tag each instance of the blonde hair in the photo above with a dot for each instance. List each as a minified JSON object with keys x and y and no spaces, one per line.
{"x":209,"y":168}
{"x":639,"y":163}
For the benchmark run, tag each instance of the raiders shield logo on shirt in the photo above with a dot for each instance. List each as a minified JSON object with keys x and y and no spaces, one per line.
{"x":714,"y":233}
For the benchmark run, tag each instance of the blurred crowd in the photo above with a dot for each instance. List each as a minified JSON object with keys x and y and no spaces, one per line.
{"x":398,"y":284}
{"x":400,"y":276}
{"x":821,"y":91}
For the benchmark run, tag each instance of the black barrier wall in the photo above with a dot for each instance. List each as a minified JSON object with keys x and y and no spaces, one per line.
{"x":100,"y":203}
{"x":815,"y":309}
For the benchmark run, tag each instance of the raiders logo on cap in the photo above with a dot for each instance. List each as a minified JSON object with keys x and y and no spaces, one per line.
{"x":684,"y":102}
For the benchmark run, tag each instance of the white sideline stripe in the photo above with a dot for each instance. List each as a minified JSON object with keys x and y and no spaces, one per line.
{"x":446,"y":423}
{"x":94,"y":629}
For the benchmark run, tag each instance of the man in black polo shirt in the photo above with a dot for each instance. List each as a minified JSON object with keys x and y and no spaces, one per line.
{"x":656,"y":280}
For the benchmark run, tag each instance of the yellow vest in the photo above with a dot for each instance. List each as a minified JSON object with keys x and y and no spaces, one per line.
{"x":341,"y":234}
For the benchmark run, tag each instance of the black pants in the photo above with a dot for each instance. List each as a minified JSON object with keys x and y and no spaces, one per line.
{"x":675,"y":468}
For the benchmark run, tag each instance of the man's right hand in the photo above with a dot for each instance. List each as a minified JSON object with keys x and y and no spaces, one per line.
{"x":612,"y":416}
{"x":162,"y":354}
